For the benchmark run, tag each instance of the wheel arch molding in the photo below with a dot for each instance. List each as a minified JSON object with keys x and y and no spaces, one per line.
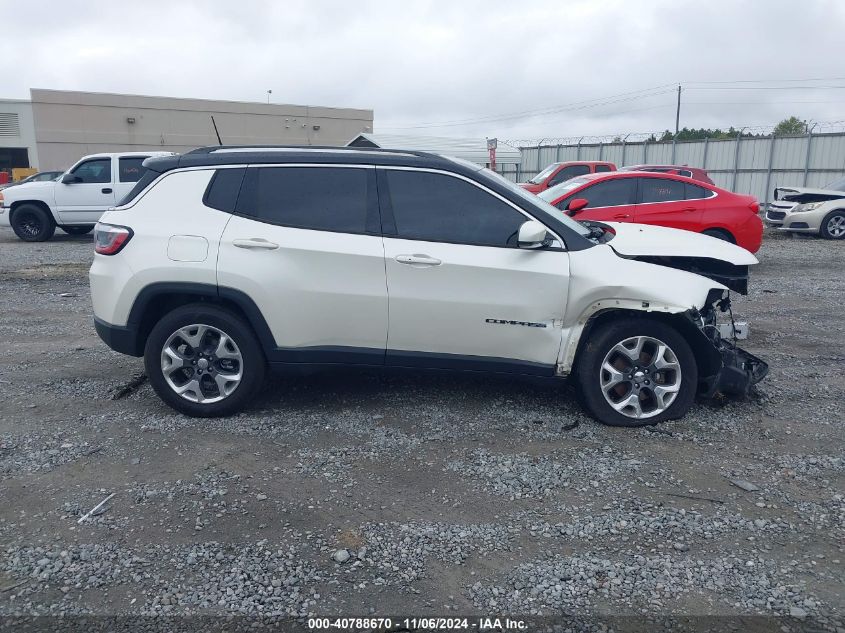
{"x":707,"y":356}
{"x":157,"y":299}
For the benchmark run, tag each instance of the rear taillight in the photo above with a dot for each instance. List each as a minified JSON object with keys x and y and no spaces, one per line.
{"x":754,"y":206}
{"x":110,"y":239}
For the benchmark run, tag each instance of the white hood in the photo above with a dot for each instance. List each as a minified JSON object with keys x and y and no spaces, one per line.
{"x":30,"y":190}
{"x":648,"y":240}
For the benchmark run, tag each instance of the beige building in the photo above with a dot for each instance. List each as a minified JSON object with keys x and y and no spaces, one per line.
{"x":56,"y":127}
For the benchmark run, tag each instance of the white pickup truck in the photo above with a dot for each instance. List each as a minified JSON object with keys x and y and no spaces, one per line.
{"x":75,"y":201}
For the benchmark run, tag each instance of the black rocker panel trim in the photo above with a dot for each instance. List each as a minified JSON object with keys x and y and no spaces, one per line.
{"x":459,"y":362}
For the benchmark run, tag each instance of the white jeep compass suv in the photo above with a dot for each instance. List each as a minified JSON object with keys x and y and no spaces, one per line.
{"x":225,"y":260}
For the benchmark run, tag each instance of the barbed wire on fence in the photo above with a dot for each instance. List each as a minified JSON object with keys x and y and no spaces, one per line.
{"x":817,"y":127}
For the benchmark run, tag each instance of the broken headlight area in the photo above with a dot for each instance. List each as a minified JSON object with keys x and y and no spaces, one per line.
{"x":726,"y":367}
{"x":729,"y":275}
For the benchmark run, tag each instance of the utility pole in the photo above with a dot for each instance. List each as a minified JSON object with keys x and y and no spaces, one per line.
{"x":678,"y":112}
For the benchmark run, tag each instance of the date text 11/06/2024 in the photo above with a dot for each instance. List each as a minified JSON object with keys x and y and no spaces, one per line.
{"x":425,"y":623}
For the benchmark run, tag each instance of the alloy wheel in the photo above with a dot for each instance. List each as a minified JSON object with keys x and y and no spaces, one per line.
{"x":640,"y":377}
{"x":836,"y":226}
{"x":201,"y":363}
{"x":28,"y":223}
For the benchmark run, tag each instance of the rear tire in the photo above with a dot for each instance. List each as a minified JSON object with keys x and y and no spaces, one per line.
{"x":660,"y":385}
{"x":78,"y":230}
{"x":32,"y":223}
{"x":833,"y":225}
{"x":204,"y":361}
{"x":720,"y":234}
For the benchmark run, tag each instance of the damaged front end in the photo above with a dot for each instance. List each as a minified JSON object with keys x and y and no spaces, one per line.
{"x":733,"y":276}
{"x":727,"y":368}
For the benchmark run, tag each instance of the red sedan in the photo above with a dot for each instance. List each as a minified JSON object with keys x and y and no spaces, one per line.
{"x":662,"y":199}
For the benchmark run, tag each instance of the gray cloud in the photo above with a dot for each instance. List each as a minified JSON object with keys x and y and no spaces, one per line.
{"x":433,"y":61}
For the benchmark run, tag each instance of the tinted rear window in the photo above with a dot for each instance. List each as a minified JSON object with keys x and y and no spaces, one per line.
{"x":660,"y":190}
{"x":694,"y":192}
{"x":222,"y":192}
{"x":319,"y":198}
{"x":130,"y":169}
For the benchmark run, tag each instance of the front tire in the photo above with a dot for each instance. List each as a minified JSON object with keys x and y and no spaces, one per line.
{"x":636,"y":373}
{"x":78,"y":230}
{"x":32,"y":223}
{"x":833,"y":226}
{"x":204,"y":361}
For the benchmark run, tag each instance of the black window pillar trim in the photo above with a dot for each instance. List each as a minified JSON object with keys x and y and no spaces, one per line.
{"x":388,"y":220}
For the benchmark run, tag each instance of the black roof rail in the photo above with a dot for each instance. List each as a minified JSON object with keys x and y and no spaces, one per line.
{"x":329,"y":148}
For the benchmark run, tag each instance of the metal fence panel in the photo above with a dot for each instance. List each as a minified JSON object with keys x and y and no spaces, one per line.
{"x":613,"y":153}
{"x":784,"y":179}
{"x":689,"y":153}
{"x":754,"y":154}
{"x":827,"y":153}
{"x":790,"y":152}
{"x":821,"y":179}
{"x":720,"y":154}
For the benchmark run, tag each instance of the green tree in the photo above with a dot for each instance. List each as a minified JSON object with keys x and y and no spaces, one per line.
{"x":698,"y":134}
{"x":792,"y":125}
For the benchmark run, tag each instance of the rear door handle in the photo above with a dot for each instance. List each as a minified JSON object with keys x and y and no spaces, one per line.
{"x":689,"y":209}
{"x":621,"y":216}
{"x":106,"y":190}
{"x":256,"y":243}
{"x":418,"y":260}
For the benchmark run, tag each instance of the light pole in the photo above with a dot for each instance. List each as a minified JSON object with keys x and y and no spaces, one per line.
{"x":269,"y":92}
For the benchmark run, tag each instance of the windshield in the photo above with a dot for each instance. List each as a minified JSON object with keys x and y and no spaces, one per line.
{"x":536,"y":180}
{"x":538,"y":204}
{"x":553,"y":193}
{"x":837,"y":185}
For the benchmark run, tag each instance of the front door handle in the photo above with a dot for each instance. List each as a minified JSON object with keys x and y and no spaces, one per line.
{"x":621,"y":216}
{"x":256,"y":243}
{"x":106,"y":190}
{"x":689,"y":209}
{"x":418,"y":260}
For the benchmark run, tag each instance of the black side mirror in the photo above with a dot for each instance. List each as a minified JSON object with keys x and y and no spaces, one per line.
{"x":70,"y":179}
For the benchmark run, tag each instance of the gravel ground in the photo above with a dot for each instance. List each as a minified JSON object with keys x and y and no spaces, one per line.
{"x":370,"y":494}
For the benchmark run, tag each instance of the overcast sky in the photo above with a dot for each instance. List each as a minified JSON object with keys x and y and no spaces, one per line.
{"x":417,"y":63}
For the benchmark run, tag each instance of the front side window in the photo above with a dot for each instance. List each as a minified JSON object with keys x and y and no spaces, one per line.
{"x":573,"y":171}
{"x":130,"y":169}
{"x":536,"y":180}
{"x":661,"y":190}
{"x":97,"y":170}
{"x":440,"y":208}
{"x":609,"y":193}
{"x":549,"y":195}
{"x":318,"y":198}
